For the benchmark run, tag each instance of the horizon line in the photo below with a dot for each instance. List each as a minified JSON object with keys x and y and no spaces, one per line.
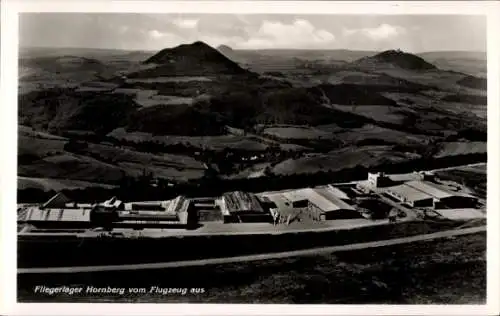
{"x":250,"y":49}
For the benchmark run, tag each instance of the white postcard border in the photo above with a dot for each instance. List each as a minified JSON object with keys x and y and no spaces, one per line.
{"x":8,"y":138}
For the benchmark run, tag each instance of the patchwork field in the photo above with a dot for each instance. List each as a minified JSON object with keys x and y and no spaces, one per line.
{"x":53,"y":158}
{"x":70,"y":166}
{"x":435,"y":101}
{"x":302,"y":112}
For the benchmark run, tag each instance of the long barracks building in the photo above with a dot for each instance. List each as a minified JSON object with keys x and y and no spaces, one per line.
{"x":428,"y":194}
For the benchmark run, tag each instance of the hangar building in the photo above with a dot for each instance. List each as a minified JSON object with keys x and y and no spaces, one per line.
{"x":57,"y":212}
{"x":321,"y":206}
{"x":411,"y":196}
{"x":242,"y":207}
{"x":428,"y":194}
{"x":443,"y":197}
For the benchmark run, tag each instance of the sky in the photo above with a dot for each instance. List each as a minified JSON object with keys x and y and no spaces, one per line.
{"x":412,"y":33}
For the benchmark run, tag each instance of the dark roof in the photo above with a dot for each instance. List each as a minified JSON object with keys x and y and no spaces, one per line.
{"x":57,"y":201}
{"x":239,"y":201}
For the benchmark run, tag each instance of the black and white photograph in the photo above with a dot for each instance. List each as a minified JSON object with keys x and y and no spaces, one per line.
{"x":252,"y":158}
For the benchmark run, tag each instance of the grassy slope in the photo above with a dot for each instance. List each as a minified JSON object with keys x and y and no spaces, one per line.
{"x":368,"y":156}
{"x":48,"y":158}
{"x":447,"y":271}
{"x":48,"y":184}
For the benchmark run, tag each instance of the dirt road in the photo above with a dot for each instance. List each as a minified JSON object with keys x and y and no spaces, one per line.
{"x":267,"y":256}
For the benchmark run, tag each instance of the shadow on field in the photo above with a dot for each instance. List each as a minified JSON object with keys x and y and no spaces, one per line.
{"x":446,"y":271}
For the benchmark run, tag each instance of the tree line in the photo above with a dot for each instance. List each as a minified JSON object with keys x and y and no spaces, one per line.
{"x":143,"y":188}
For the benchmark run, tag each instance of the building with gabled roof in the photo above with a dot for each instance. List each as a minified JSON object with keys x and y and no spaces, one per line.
{"x":239,"y":206}
{"x":428,"y":194}
{"x":57,"y":201}
{"x":322,"y":205}
{"x":410,"y":195}
{"x":444,"y":197}
{"x":175,"y":212}
{"x":59,"y":211}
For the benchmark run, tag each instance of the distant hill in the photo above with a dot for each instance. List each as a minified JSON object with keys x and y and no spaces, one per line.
{"x":63,"y":63}
{"x":453,"y":55}
{"x":196,"y":59}
{"x":231,"y":54}
{"x":397,"y":59}
{"x":473,"y":63}
{"x":53,"y":71}
{"x":98,"y":53}
{"x":224,"y":49}
{"x":473,"y":82}
{"x":264,"y":60}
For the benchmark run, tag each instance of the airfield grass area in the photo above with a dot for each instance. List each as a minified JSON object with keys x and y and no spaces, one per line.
{"x":444,"y":271}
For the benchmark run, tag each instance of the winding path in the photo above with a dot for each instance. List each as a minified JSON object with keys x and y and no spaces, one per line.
{"x":267,"y":256}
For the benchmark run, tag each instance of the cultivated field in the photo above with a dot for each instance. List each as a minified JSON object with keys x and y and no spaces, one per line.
{"x":343,"y":108}
{"x":49,"y":158}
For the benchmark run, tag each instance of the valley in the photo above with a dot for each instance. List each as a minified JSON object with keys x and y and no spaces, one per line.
{"x":193,"y":117}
